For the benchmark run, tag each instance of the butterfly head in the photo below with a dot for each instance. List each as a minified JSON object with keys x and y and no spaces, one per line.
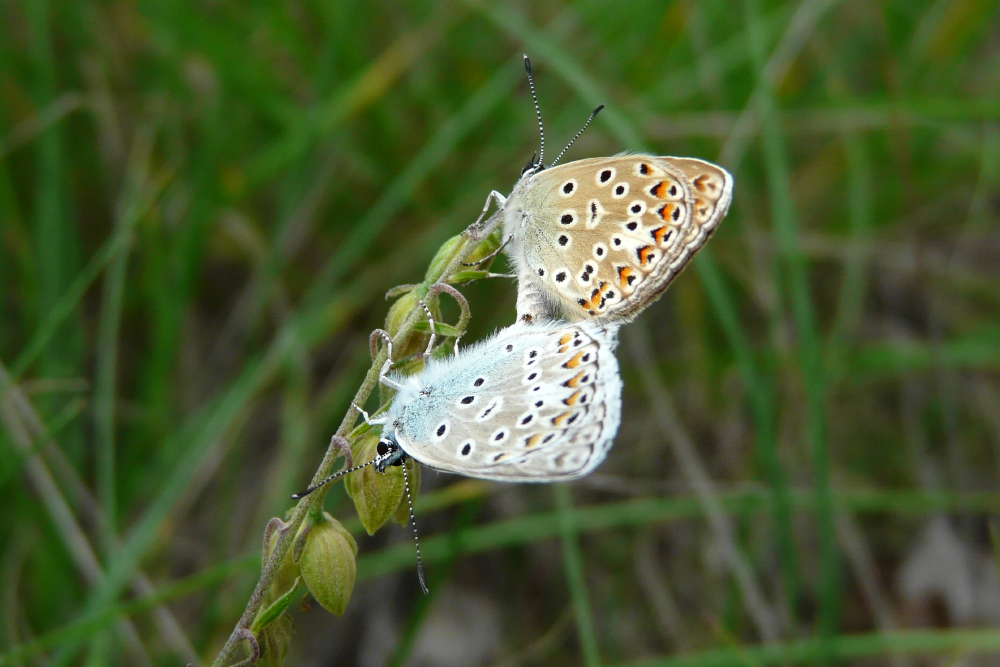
{"x":388,"y":453}
{"x":532,"y":167}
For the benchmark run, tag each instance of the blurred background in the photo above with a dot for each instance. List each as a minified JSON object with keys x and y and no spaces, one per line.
{"x":202,"y":206}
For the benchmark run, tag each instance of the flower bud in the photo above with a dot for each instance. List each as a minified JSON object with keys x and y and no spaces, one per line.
{"x":398,"y":314}
{"x":275,"y":639}
{"x":284,"y":578}
{"x":328,"y":562}
{"x":484,"y":249}
{"x":376,"y":495}
{"x":399,"y":311}
{"x":444,"y":256}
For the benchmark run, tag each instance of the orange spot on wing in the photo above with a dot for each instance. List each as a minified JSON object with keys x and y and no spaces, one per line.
{"x":596,"y":301}
{"x":574,"y":381}
{"x":658,"y":234}
{"x":666,"y":211}
{"x":645,"y":253}
{"x":624,"y":272}
{"x":575,"y":361}
{"x":559,"y":420}
{"x":533,"y":441}
{"x":664,"y":189}
{"x":565,"y":339}
{"x":704,"y":183}
{"x":572,"y":400}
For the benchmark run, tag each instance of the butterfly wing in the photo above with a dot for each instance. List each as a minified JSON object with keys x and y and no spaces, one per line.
{"x":603,"y":238}
{"x":534,"y":403}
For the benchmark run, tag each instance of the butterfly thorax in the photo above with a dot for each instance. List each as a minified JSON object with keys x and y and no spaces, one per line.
{"x":530,"y":205}
{"x":518,"y":213}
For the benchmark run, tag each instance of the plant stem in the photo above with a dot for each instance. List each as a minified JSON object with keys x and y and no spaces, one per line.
{"x":470,"y":238}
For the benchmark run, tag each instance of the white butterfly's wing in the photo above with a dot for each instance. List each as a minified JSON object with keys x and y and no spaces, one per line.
{"x":535,"y":403}
{"x":603,"y":238}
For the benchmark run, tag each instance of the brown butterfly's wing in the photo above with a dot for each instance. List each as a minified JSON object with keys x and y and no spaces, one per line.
{"x":603,"y":238}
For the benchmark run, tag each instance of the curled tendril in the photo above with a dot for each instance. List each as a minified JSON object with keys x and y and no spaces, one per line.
{"x":463,"y":320}
{"x":247,"y":636}
{"x":374,"y":338}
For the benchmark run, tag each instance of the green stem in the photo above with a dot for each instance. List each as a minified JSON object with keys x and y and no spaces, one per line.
{"x":459,"y":251}
{"x":793,"y":266}
{"x":575,"y":578}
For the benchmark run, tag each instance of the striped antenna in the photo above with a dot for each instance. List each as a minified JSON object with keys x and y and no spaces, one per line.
{"x":593,"y":115}
{"x":538,"y":111}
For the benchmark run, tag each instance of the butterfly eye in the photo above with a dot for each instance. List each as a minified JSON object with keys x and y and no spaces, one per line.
{"x":382,"y":447}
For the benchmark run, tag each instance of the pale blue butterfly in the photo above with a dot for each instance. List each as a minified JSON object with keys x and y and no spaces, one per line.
{"x":535,"y":402}
{"x":538,"y":402}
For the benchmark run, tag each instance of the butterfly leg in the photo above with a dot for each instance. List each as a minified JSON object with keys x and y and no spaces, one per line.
{"x":491,"y":255}
{"x":383,"y":374}
{"x":489,"y":200}
{"x":430,"y":321}
{"x":478,"y":232}
{"x":378,"y":421}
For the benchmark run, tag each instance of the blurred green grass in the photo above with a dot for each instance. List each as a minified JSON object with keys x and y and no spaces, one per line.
{"x":202,"y":206}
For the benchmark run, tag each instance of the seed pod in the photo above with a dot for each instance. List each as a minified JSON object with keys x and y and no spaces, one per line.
{"x":398,"y":314}
{"x":399,"y":311}
{"x":486,"y":247}
{"x":275,"y":639}
{"x":444,"y":256}
{"x":328,"y":563}
{"x":285,"y":577}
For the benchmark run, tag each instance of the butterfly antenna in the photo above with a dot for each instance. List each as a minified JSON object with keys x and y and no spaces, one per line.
{"x":302,"y":494}
{"x":538,"y":111}
{"x":593,"y":115}
{"x":416,"y":538}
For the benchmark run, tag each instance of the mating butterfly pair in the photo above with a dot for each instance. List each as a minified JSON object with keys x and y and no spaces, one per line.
{"x":593,"y":243}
